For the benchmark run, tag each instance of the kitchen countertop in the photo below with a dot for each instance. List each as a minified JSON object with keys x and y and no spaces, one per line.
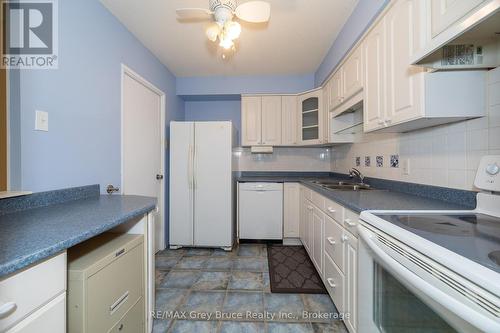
{"x":31,"y":235}
{"x":359,"y":201}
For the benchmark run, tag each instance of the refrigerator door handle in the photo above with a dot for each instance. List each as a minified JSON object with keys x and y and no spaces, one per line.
{"x":195,"y":183}
{"x":190,"y":167}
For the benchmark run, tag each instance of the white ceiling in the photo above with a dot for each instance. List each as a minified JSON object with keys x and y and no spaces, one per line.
{"x":295,"y":40}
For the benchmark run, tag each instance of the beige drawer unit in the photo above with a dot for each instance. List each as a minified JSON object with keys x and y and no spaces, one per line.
{"x":351,"y":221}
{"x":105,"y":281}
{"x":334,"y":244}
{"x":132,"y":321}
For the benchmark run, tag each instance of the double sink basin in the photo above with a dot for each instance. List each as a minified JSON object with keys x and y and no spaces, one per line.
{"x":343,"y":186}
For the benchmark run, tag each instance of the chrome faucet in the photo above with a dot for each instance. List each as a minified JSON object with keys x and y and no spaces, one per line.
{"x":356,"y":173}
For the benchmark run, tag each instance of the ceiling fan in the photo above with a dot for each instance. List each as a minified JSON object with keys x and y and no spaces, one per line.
{"x":223,"y":12}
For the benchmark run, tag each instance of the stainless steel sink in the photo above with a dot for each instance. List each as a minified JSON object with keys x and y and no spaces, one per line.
{"x":350,"y":187}
{"x":344,"y":186}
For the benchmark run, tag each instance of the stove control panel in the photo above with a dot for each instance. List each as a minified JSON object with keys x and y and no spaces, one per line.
{"x":488,"y":173}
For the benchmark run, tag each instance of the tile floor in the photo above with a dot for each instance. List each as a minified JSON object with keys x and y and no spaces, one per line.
{"x":199,"y":284}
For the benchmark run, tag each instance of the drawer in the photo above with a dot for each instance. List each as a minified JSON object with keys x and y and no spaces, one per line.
{"x":334,"y":246}
{"x":334,"y":282}
{"x":318,"y":200}
{"x":132,"y":321}
{"x":351,"y":221}
{"x":334,"y":210}
{"x":49,"y":318}
{"x":306,"y":193}
{"x":24,"y":289}
{"x":113,"y":290}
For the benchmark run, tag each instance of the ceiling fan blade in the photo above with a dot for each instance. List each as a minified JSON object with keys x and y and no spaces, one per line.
{"x":254,"y":11}
{"x":193,"y":13}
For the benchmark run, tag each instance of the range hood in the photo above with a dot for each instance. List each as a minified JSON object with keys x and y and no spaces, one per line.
{"x":473,"y":43}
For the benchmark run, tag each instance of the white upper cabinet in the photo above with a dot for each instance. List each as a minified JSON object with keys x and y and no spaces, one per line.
{"x":399,"y":97}
{"x":373,"y":49}
{"x":352,"y":80}
{"x":271,"y":120}
{"x":251,"y":121}
{"x":336,"y":90}
{"x":446,"y":12}
{"x":311,"y":117}
{"x":289,"y":115}
{"x":405,"y":83}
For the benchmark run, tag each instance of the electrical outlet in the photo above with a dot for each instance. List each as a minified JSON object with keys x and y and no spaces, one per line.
{"x":41,"y":121}
{"x":406,"y":166}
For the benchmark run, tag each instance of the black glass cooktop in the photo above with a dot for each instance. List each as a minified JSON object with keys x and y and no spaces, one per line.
{"x":474,"y":236}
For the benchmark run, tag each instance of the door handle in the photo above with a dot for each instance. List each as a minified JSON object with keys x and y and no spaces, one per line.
{"x":159,"y":177}
{"x":331,"y":282}
{"x":331,"y":210}
{"x":331,"y":241}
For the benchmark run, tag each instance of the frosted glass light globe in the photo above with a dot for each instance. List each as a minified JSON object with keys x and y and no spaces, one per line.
{"x":213,"y":31}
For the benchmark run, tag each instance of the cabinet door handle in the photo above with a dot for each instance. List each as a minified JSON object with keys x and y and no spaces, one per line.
{"x":331,"y":241}
{"x":349,"y":223}
{"x":344,"y":238}
{"x":7,"y":308}
{"x":331,"y":282}
{"x":331,"y":210}
{"x":310,"y":207}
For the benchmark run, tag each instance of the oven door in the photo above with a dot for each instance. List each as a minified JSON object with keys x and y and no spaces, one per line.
{"x":393,"y":298}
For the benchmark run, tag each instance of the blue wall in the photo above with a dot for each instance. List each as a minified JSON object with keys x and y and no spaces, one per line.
{"x":215,"y":110}
{"x":361,"y":18}
{"x":236,"y":85}
{"x":83,"y":100}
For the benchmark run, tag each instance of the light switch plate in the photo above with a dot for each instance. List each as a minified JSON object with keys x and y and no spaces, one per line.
{"x":41,"y":121}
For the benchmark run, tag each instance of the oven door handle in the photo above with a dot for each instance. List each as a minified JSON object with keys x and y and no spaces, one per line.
{"x":475,"y":319}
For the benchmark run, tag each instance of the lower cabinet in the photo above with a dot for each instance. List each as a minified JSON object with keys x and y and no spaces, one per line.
{"x":35,"y":298}
{"x":328,"y":232}
{"x":291,"y":210}
{"x":351,"y":290}
{"x":317,"y":238}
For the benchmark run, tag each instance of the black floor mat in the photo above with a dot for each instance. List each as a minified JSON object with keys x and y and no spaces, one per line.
{"x":291,"y":271}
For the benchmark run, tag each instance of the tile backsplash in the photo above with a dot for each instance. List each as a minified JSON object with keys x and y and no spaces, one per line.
{"x":446,"y":155}
{"x":284,"y":159}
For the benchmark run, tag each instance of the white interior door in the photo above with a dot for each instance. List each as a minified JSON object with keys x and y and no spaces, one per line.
{"x":142,"y":144}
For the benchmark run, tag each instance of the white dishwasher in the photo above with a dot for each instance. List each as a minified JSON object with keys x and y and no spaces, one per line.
{"x":261,"y":211}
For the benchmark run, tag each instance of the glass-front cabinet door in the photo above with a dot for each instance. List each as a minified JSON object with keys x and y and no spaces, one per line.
{"x":311,"y":118}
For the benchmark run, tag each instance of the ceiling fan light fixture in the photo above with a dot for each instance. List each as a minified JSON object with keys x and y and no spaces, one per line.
{"x":213,"y":31}
{"x":232,"y":30}
{"x":226,"y":43}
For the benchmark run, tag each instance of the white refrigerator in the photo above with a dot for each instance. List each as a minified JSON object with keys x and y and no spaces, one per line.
{"x":202,"y":209}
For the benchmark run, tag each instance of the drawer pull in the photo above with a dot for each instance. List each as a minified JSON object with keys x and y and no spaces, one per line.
{"x":121,"y":327}
{"x":331,"y":282}
{"x":7,"y":308}
{"x":116,"y":305}
{"x":119,"y":253}
{"x":344,"y":238}
{"x":331,"y":210}
{"x":331,"y":241}
{"x":349,"y":223}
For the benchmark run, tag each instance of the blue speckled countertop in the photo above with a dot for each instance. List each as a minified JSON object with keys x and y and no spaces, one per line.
{"x":30,"y":235}
{"x":384,"y":199}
